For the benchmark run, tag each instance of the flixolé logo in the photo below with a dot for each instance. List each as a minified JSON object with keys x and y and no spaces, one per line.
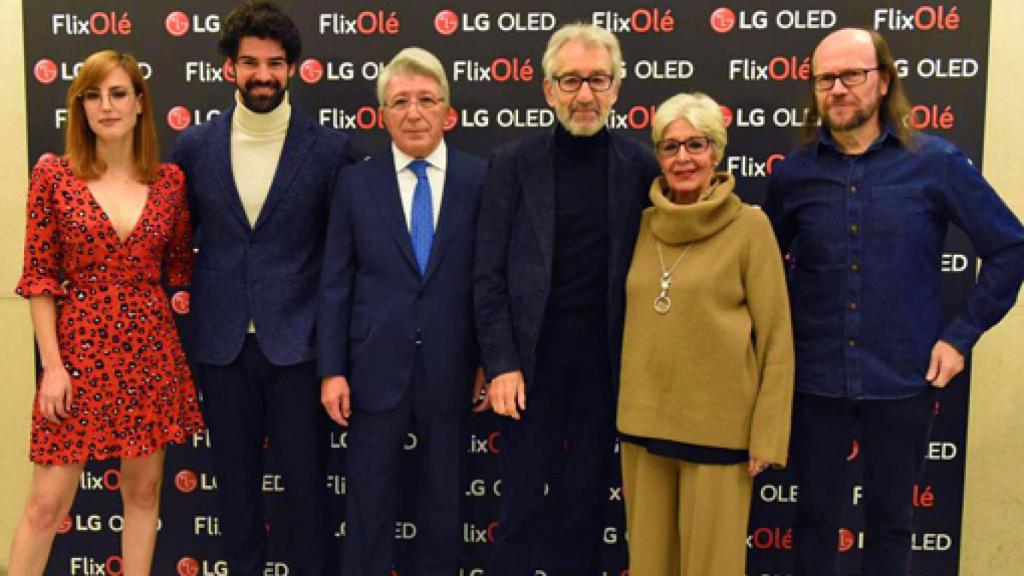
{"x":45,"y":71}
{"x":446,"y":22}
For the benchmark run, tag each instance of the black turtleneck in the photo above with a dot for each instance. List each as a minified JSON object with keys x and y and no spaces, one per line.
{"x":577,"y":305}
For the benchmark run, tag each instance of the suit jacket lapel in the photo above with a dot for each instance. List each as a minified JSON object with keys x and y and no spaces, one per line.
{"x":537,"y":174}
{"x":384,"y":189}
{"x":297,"y":143}
{"x":453,"y":204}
{"x":622,"y":176}
{"x":220,"y":149}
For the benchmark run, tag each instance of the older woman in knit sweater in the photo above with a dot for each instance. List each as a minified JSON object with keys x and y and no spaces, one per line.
{"x":707,"y":360}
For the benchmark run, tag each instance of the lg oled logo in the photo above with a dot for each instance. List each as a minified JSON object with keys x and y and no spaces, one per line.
{"x":723,"y":20}
{"x":45,"y":71}
{"x":446,"y":22}
{"x":180,"y":302}
{"x":186,"y":481}
{"x":726,"y":115}
{"x":311,"y":71}
{"x":180,"y":117}
{"x":179,"y":23}
{"x":188,"y":566}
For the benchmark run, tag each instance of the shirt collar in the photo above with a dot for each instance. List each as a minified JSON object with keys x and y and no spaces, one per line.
{"x":438,"y":158}
{"x":825,"y":139}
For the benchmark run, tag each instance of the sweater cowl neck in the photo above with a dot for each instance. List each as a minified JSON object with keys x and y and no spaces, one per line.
{"x":680,"y":223}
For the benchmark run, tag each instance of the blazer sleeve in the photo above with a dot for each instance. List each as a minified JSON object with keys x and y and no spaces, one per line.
{"x":336,"y":284}
{"x":182,"y":158}
{"x":765,"y":285}
{"x":498,"y":207}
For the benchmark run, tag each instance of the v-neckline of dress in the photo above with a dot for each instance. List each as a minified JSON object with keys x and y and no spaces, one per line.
{"x":110,"y":221}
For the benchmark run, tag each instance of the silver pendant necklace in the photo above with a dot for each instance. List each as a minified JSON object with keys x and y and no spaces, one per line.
{"x":662,"y":304}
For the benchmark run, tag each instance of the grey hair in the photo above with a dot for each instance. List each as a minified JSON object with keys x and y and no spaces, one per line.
{"x":701,"y":111}
{"x":413,"y":60}
{"x":588,"y":35}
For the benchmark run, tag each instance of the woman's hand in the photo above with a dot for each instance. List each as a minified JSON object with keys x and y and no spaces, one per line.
{"x":755,"y":466}
{"x":55,"y":394}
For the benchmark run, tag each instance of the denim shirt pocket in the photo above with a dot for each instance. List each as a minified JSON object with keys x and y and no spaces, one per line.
{"x":895,"y":209}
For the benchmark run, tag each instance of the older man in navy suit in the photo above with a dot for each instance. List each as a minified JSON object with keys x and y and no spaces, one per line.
{"x":260,"y":178}
{"x":396,"y":340}
{"x":557,"y":225}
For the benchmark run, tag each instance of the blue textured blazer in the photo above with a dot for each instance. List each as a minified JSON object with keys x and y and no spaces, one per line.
{"x":516,"y":241}
{"x":375,"y":306}
{"x":268,"y":272}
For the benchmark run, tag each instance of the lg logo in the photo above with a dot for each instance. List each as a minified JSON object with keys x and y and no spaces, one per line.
{"x":446,"y":22}
{"x":723,"y":20}
{"x":186,"y":481}
{"x":45,"y":71}
{"x":311,"y":71}
{"x":179,"y":118}
{"x":179,"y":23}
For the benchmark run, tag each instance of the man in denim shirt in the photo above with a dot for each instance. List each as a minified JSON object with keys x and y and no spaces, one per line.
{"x":862,"y":210}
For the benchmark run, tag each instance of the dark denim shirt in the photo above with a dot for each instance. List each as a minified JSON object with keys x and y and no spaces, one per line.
{"x":865,"y":236}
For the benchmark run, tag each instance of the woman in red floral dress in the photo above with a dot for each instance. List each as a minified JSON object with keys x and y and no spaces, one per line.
{"x":105,"y":222}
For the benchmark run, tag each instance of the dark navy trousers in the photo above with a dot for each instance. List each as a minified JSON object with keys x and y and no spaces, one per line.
{"x":243,"y":403}
{"x":893,"y":439}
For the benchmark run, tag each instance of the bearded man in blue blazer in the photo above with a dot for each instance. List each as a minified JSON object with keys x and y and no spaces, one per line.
{"x":397,"y":346}
{"x":260,"y":177}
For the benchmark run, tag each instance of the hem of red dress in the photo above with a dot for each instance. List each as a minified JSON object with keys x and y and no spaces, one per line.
{"x":86,"y":456}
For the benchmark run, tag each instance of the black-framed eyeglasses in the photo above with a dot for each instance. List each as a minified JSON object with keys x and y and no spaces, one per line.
{"x":693,"y":146}
{"x":403,"y":103}
{"x":114,"y":95}
{"x":849,"y":78}
{"x":574,"y":82}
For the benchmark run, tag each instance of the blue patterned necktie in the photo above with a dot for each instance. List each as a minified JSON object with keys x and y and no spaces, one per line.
{"x":422,"y":222}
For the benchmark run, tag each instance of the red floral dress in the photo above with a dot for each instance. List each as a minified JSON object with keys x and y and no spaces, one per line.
{"x":131,"y":386}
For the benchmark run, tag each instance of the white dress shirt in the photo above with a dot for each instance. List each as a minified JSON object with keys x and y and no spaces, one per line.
{"x":438,"y":166}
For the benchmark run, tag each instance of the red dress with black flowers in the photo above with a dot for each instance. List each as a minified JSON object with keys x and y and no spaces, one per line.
{"x":132,"y":391}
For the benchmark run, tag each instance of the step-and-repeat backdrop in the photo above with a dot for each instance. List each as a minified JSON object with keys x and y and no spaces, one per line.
{"x":752,"y":56}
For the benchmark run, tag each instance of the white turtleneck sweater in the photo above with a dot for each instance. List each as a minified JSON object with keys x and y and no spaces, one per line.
{"x":256,"y":143}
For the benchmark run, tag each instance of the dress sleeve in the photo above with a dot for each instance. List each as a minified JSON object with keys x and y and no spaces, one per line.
{"x":179,"y":256}
{"x":42,"y":274}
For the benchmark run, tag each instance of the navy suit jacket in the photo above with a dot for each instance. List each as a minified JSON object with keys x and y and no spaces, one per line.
{"x":516,"y":240}
{"x":375,"y":306}
{"x":268,"y":272}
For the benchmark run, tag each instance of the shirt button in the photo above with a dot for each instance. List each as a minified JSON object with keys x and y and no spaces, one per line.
{"x":853,"y":189}
{"x":851,"y":342}
{"x":854,"y":266}
{"x":854,"y":228}
{"x":853,"y":306}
